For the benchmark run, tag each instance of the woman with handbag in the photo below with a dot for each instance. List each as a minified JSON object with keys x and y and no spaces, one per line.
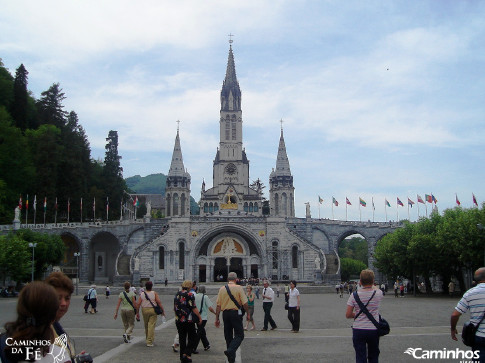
{"x":147,"y":301}
{"x":127,"y":301}
{"x":365,"y":335}
{"x":186,"y":316}
{"x":294,"y":307}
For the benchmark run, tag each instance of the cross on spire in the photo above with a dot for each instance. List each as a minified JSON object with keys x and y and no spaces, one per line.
{"x":281,"y":121}
{"x":178,"y":125}
{"x":230,"y":38}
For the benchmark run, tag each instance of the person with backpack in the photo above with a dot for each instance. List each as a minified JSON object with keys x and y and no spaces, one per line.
{"x":128,"y":311}
{"x":92,"y":299}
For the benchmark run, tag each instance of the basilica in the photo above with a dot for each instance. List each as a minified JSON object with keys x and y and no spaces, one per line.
{"x":231,"y":233}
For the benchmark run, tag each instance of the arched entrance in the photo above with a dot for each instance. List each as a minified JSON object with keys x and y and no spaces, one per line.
{"x":68,"y":264}
{"x":220,"y":269}
{"x":104,"y":249}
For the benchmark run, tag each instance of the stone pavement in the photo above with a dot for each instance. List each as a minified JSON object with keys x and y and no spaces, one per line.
{"x":325,"y":334}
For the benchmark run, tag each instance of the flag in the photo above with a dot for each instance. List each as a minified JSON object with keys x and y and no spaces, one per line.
{"x":474,"y":200}
{"x":373,"y":206}
{"x":136,"y":202}
{"x":399,"y":202}
{"x":320,"y":200}
{"x":45,"y":204}
{"x":20,"y":202}
{"x":94,"y":204}
{"x":428,"y":198}
{"x":55,"y":206}
{"x":420,"y":200}
{"x":35,"y":202}
{"x":68,"y":204}
{"x":347,"y":201}
{"x":334,"y":201}
{"x":387,"y":203}
{"x":107,"y":204}
{"x":410,"y":202}
{"x":362,"y":202}
{"x":457,"y":200}
{"x":434,"y":199}
{"x":27,"y":203}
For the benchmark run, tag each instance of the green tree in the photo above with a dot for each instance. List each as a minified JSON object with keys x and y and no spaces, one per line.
{"x":6,"y":87}
{"x":20,"y":99}
{"x":50,"y":107}
{"x":350,"y":267}
{"x":113,"y":181}
{"x":15,"y":258}
{"x":354,"y":248}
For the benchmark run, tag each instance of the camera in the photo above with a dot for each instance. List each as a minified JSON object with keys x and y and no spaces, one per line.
{"x":84,"y":357}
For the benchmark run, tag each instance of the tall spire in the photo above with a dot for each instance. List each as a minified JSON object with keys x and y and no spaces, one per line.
{"x":230,"y":93}
{"x":177,"y":166}
{"x":282,"y":162}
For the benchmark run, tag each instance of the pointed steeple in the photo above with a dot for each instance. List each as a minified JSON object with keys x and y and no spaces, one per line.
{"x":282,"y":162}
{"x":177,"y":166}
{"x":230,"y":93}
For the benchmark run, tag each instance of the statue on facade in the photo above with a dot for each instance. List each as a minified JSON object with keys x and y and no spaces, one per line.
{"x":149,"y":209}
{"x":317,"y":263}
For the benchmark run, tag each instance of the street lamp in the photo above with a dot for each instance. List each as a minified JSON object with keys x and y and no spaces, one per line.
{"x":33,"y":245}
{"x":77,"y":254}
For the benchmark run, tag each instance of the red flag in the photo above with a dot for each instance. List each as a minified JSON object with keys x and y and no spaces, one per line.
{"x":428,"y":198}
{"x":27,"y":203}
{"x":457,"y":201}
{"x":420,"y":200}
{"x":474,"y":200}
{"x":399,"y":202}
{"x":335,"y":201}
{"x":347,"y":201}
{"x":20,"y":202}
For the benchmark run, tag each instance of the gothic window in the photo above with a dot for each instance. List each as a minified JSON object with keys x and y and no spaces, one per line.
{"x":168,"y":206}
{"x":250,"y":207}
{"x":274,"y":255}
{"x":206,"y":208}
{"x":181,"y":255}
{"x":211,"y":207}
{"x":233,"y":130}
{"x":246,"y":206}
{"x":255,"y":207}
{"x":228,"y":128}
{"x":294,"y":257}
{"x":161,"y":257}
{"x":216,"y":207}
{"x":284,"y":204}
{"x":182,"y":205}
{"x":276,"y":205}
{"x":176,"y":204}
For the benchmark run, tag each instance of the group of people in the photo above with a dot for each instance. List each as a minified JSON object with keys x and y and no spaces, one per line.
{"x":37,"y":333}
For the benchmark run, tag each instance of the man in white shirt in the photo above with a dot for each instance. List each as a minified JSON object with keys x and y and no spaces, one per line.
{"x":268,"y":298}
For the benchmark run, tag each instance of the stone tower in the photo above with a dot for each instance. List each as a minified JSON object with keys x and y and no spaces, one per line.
{"x":281,"y":192}
{"x":231,"y":192}
{"x":177,"y":191}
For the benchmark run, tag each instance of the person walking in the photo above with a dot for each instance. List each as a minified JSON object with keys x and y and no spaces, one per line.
{"x":92,"y":300}
{"x":364,"y":333}
{"x":107,"y":291}
{"x":250,"y":317}
{"x":128,"y":311}
{"x":474,"y":301}
{"x":186,"y":315}
{"x":230,"y":300}
{"x":256,"y":290}
{"x":294,"y":307}
{"x":146,"y":301}
{"x":268,"y":299}
{"x":204,"y":304}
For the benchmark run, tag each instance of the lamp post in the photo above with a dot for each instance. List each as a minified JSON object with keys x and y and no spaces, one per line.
{"x":77,"y":254}
{"x":33,"y":245}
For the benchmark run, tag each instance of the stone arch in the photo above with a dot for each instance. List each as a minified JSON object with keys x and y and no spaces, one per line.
{"x":102,"y":255}
{"x":69,"y":264}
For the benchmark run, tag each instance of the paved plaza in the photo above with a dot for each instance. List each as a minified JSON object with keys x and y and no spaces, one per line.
{"x":325,"y":335}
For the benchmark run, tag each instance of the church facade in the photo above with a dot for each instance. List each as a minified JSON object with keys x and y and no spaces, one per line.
{"x":231,"y":233}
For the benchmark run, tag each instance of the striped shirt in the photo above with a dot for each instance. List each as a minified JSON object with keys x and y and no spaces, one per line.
{"x":362,"y":321}
{"x":474,"y":300}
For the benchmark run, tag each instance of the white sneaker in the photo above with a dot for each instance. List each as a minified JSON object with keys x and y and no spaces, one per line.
{"x":125,"y":338}
{"x":149,"y":345}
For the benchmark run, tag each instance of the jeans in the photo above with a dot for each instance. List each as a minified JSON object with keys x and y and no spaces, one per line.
{"x":201,"y":335}
{"x":294,"y":318}
{"x":480,"y":345}
{"x":187,"y":338}
{"x":267,"y":315}
{"x":233,"y":330}
{"x":366,"y":345}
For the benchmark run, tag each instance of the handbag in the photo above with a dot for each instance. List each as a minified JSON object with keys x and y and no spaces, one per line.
{"x":469,"y":331}
{"x":85,"y":298}
{"x":158,"y":309}
{"x":241,"y":308}
{"x":382,"y":326}
{"x":287,"y":306}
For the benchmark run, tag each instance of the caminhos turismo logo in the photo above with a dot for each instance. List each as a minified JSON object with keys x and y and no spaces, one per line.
{"x":465,"y":356}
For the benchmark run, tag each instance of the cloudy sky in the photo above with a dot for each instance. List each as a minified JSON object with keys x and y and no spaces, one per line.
{"x":380,"y":99}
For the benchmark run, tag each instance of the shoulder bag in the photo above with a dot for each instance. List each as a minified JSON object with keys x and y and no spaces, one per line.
{"x":469,"y":331}
{"x":382,"y":326}
{"x":158,"y":309}
{"x":129,"y":301}
{"x":241,"y":308}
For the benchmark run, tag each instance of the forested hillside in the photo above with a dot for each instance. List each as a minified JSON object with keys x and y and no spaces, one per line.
{"x":150,"y":184}
{"x":45,"y":157}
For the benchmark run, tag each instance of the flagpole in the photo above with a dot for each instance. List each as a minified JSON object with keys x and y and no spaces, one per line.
{"x":107,"y":209}
{"x":121,"y":209}
{"x":55,"y":214}
{"x":409,"y":218}
{"x":346,"y":204}
{"x":68,"y":209}
{"x":373,"y":210}
{"x":45,"y":208}
{"x":81,"y":210}
{"x":35,"y":207}
{"x":319,"y":207}
{"x":94,"y":209}
{"x":385,"y":208}
{"x":360,"y":213}
{"x":333,"y":217}
{"x":27,"y":210}
{"x":397,"y":212}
